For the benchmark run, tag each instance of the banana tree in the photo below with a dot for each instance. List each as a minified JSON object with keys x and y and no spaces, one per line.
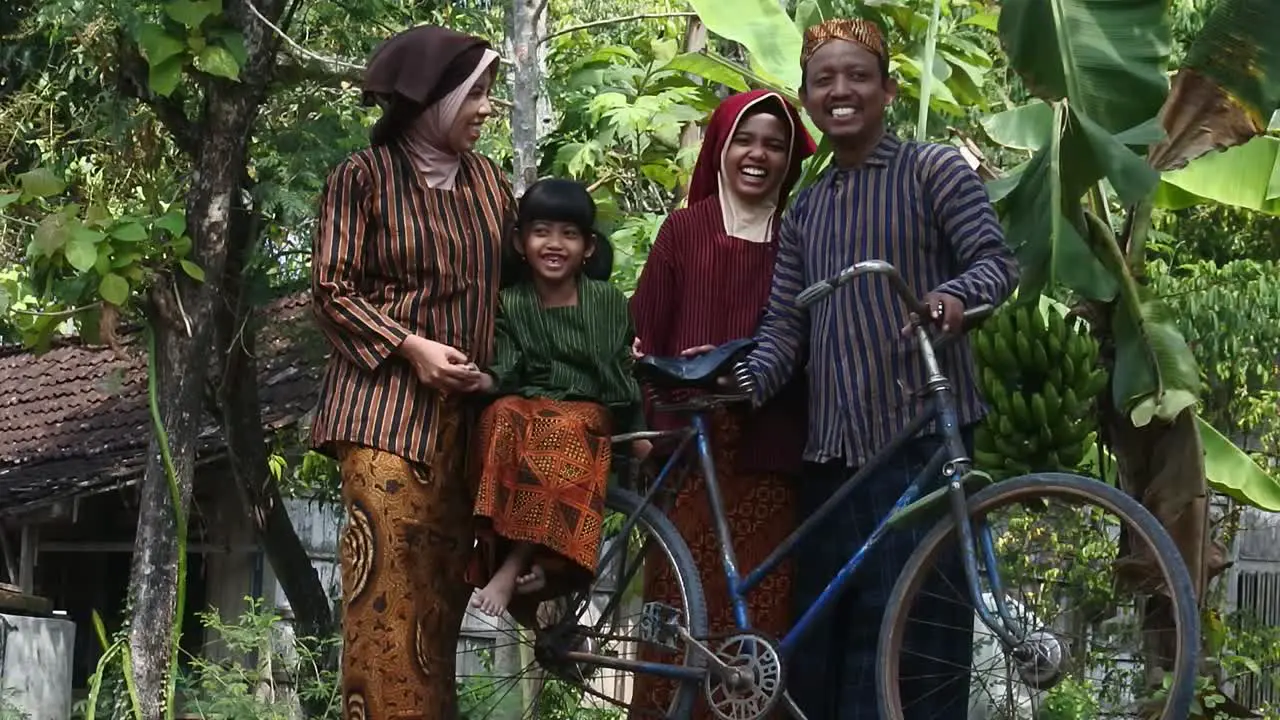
{"x":1105,"y":128}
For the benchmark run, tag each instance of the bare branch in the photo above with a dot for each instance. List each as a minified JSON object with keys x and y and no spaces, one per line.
{"x":343,"y":70}
{"x":295,"y":46}
{"x":616,"y":21}
{"x":599,"y":183}
{"x":69,"y":312}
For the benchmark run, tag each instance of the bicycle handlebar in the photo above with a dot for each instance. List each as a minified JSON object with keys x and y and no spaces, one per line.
{"x":823,"y":288}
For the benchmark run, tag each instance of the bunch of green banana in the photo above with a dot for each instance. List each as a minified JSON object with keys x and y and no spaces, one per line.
{"x":1040,"y":377}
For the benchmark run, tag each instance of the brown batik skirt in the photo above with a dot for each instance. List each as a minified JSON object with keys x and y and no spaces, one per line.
{"x":403,"y":555}
{"x":760,"y":508}
{"x":543,"y":467}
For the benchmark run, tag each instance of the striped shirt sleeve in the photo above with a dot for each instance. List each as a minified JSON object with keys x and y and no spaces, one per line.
{"x":969,"y":225}
{"x":782,"y":336}
{"x":360,"y":331}
{"x":508,"y":358}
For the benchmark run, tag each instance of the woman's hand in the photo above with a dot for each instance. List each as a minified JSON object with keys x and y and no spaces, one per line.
{"x":695,"y":351}
{"x":439,"y":366}
{"x":640,"y":449}
{"x":635,"y":349}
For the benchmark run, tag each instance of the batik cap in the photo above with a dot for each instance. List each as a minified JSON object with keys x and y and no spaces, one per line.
{"x":855,"y":30}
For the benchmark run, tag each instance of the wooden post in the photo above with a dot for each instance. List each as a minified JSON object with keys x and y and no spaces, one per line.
{"x":27,"y":560}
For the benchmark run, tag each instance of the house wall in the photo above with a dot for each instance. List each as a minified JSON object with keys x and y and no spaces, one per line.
{"x":36,"y":665}
{"x":1253,"y":587}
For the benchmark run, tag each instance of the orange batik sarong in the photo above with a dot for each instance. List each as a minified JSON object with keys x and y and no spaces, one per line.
{"x":543,"y":466}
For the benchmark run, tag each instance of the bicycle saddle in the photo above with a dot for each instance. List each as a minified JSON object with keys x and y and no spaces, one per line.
{"x":693,"y":372}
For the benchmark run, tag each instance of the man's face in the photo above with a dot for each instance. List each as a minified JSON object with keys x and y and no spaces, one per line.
{"x":845,"y":92}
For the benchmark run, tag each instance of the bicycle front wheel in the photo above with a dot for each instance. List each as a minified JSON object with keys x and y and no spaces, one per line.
{"x":1087,"y":581}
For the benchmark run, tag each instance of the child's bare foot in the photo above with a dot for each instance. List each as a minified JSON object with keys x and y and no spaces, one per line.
{"x":532,"y":581}
{"x":493,"y":598}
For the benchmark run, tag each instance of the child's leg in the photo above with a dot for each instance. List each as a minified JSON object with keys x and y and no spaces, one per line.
{"x":532,"y":581}
{"x":493,"y":598}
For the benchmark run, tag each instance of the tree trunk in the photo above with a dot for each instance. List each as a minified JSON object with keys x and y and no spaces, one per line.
{"x":182,"y":316}
{"x":155,"y":557}
{"x":526,"y":26}
{"x":240,"y":413}
{"x":695,"y":40}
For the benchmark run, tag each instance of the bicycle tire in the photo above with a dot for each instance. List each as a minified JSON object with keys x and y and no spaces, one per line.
{"x":677,"y":551}
{"x":1181,"y":689}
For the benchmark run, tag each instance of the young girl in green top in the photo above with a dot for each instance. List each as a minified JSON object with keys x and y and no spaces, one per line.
{"x":563,"y":370}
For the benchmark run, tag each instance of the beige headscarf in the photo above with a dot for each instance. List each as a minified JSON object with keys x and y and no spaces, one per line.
{"x":427,"y":140}
{"x":749,"y":221}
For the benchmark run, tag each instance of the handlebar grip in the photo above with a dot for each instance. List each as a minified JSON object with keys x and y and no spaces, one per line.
{"x":814,"y":293}
{"x":978,"y":313}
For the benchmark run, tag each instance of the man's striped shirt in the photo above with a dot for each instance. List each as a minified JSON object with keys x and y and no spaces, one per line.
{"x":921,"y":208}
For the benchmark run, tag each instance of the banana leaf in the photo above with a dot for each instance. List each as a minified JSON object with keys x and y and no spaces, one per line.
{"x":1107,"y":58}
{"x":763,"y":28}
{"x":1229,"y":87}
{"x":1232,"y":472}
{"x":1246,"y":176}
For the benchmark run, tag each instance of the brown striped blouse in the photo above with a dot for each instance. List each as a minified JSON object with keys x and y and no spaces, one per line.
{"x":392,"y":258}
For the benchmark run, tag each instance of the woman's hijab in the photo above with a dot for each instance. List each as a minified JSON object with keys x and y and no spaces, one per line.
{"x":752,"y":221}
{"x":434,"y":68}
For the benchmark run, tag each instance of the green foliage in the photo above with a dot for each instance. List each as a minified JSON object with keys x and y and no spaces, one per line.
{"x":81,"y":256}
{"x":265,"y":674}
{"x":1071,"y":699}
{"x":313,"y":477}
{"x":264,"y":666}
{"x":620,"y":129}
{"x":1227,"y":313}
{"x":189,"y":34}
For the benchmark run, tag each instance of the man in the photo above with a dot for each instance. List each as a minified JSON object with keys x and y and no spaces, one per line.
{"x":923,"y":209}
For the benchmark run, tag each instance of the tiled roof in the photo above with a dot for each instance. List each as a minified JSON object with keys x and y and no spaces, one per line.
{"x":74,"y":419}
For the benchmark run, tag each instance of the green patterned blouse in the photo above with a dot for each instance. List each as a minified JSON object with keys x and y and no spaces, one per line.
{"x":579,"y":352}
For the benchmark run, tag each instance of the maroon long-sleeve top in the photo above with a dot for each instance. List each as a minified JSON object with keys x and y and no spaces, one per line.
{"x":702,"y":287}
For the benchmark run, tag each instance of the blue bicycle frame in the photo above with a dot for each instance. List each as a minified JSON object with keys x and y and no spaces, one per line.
{"x":950,"y":461}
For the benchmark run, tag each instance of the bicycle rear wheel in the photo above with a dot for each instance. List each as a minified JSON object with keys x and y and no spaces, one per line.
{"x":1127,"y":584}
{"x":525,"y":673}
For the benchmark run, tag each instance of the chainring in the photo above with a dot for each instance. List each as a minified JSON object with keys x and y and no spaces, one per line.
{"x":757,"y":681}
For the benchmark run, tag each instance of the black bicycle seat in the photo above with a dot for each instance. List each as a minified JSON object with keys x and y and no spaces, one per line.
{"x":693,"y":372}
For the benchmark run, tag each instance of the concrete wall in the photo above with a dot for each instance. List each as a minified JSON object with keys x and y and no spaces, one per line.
{"x":35,"y":665}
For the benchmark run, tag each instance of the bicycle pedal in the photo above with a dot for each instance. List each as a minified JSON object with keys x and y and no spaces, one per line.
{"x":660,"y":625}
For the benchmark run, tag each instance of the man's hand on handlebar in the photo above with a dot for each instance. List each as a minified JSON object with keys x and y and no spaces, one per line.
{"x":945,"y":310}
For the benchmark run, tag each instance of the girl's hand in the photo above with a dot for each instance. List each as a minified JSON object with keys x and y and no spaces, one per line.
{"x":437,"y":365}
{"x":483,"y":383}
{"x":641,"y":449}
{"x":635,"y":349}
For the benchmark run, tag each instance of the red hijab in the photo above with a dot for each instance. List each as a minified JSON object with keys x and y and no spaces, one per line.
{"x":724,"y":122}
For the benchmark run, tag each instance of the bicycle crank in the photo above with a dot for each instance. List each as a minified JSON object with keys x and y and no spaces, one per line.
{"x":749,"y":683}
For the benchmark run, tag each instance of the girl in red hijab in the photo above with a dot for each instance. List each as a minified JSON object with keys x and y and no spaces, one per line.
{"x":707,"y":282}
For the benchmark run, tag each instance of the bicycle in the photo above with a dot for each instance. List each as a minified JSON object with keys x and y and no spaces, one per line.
{"x":744,"y":676}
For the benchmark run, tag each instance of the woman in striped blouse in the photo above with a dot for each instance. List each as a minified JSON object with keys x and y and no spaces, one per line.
{"x":405,"y":272}
{"x":563,"y":366}
{"x":706,"y":282}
